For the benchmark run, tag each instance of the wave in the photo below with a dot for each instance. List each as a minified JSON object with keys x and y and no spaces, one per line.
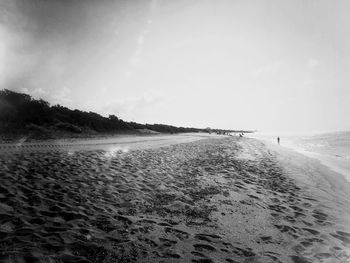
{"x":331,"y":149}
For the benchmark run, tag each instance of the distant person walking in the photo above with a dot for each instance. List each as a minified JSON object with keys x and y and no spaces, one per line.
{"x":278,"y":140}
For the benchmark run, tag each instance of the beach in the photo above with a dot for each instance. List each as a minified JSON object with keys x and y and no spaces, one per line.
{"x":332,"y":149}
{"x":190,"y":198}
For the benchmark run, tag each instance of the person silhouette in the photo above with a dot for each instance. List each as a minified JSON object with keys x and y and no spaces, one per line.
{"x":278,"y":140}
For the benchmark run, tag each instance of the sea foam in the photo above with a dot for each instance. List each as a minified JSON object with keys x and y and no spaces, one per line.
{"x":331,"y":149}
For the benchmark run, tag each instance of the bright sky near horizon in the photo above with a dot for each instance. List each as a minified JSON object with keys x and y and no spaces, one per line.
{"x":267,"y":65}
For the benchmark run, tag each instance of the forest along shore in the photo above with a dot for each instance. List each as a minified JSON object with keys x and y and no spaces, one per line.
{"x":212,"y":200}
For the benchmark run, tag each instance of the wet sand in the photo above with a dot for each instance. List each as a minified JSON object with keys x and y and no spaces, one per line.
{"x":211,"y":200}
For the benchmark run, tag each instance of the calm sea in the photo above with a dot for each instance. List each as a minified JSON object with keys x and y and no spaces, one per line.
{"x":331,"y":149}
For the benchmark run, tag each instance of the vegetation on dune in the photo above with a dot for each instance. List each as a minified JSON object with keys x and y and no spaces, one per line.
{"x":20,"y":114}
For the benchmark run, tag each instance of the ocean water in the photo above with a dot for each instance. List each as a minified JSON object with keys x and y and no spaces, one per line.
{"x":331,"y":149}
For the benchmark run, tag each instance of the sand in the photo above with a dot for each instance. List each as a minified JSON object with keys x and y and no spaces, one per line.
{"x":110,"y":144}
{"x":211,"y":200}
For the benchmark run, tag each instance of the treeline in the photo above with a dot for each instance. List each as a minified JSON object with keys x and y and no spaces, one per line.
{"x":164,"y":128}
{"x":20,"y":114}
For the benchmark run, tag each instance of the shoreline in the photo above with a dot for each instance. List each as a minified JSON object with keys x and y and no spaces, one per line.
{"x":332,"y":163}
{"x":302,"y":166}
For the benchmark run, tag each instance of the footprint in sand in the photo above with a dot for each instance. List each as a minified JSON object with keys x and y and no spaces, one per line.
{"x":307,"y":223}
{"x":178,"y":233}
{"x":290,"y":219}
{"x":343,"y":233}
{"x":243,"y":252}
{"x":207,"y":237}
{"x":343,"y":236}
{"x":298,"y":259}
{"x":321,"y":256}
{"x":164,"y":224}
{"x":198,"y":254}
{"x":310,"y":199}
{"x":203,"y":247}
{"x":273,"y":256}
{"x":310,"y":241}
{"x":277,"y":208}
{"x":289,"y":230}
{"x":254,"y":197}
{"x":167,"y":242}
{"x":148,"y":241}
{"x":307,"y":205}
{"x":275,"y":200}
{"x":240,"y":185}
{"x":285,"y":229}
{"x":320,"y":217}
{"x":170,"y":254}
{"x":336,"y":248}
{"x":298,"y":211}
{"x":203,"y":260}
{"x":312,"y":231}
{"x":147,"y":221}
{"x":267,"y":239}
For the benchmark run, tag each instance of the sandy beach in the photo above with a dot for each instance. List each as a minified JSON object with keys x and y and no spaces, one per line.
{"x":177,"y":199}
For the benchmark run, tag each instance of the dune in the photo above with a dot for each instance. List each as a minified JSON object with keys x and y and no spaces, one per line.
{"x":177,"y":200}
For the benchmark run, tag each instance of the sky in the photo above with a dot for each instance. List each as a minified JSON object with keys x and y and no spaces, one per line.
{"x":267,"y":65}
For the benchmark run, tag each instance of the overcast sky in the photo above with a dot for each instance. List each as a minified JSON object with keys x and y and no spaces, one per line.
{"x":267,"y":65}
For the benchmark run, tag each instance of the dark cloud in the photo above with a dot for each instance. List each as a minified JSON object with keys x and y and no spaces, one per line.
{"x":49,"y":41}
{"x":61,"y":18}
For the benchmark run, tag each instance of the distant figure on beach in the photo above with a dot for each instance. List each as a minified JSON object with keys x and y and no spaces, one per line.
{"x":278,"y":140}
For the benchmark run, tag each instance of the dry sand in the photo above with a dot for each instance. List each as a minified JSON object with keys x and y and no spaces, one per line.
{"x":227,"y":200}
{"x":112,"y":143}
